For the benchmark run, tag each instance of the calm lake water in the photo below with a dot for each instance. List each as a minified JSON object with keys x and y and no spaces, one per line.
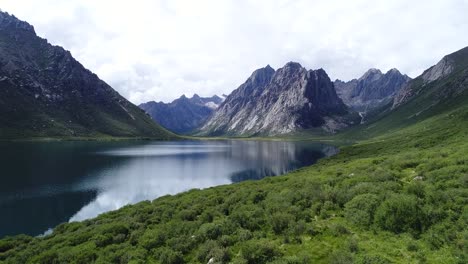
{"x":45,"y":184}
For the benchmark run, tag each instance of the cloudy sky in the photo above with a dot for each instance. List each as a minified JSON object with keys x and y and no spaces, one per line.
{"x":159,"y":50}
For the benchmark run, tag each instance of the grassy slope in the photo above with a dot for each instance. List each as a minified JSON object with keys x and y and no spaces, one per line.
{"x":400,"y":197}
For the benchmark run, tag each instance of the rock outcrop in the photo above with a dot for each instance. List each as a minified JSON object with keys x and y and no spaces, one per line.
{"x":443,"y":68}
{"x":447,"y":79}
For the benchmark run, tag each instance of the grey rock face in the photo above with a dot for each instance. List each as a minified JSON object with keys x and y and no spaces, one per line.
{"x":372,"y":90}
{"x":278,"y":102}
{"x":182,"y":115}
{"x":443,"y":68}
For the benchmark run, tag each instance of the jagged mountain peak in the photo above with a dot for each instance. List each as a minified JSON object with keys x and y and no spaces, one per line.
{"x":262,"y":75}
{"x":371,"y":74}
{"x":268,"y":67}
{"x":372,"y":90}
{"x":292,"y":65}
{"x":293,"y":98}
{"x":12,"y":22}
{"x":319,"y":73}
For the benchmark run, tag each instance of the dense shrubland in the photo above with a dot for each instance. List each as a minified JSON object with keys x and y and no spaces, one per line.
{"x":401,"y":198}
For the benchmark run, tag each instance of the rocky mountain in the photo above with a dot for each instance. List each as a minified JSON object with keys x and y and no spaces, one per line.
{"x":182,"y":115}
{"x":440,"y":93}
{"x":450,"y":65}
{"x":45,"y":92}
{"x":278,"y":102}
{"x":374,"y":89}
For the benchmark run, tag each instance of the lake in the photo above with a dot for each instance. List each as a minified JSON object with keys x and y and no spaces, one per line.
{"x":46,"y":183}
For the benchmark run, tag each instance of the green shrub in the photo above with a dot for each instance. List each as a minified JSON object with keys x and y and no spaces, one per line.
{"x":412,"y":246}
{"x":372,"y":259}
{"x":6,"y":245}
{"x":338,"y":230}
{"x":280,"y":221}
{"x":210,"y":231}
{"x":360,"y":210}
{"x":341,"y":257}
{"x":249,"y":217}
{"x":211,"y":249}
{"x":152,"y":239}
{"x":400,"y":213}
{"x":168,"y":256}
{"x":353,"y":245}
{"x":48,"y":257}
{"x":259,"y":251}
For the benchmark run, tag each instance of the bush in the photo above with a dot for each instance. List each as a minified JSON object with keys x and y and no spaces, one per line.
{"x":47,"y":257}
{"x":259,"y":251}
{"x":210,"y":231}
{"x":338,"y":230}
{"x":399,"y":213}
{"x":6,"y":245}
{"x":360,"y":210}
{"x":412,"y":246}
{"x":152,"y":239}
{"x":353,"y":245}
{"x":211,"y":249}
{"x":280,"y":221}
{"x":372,"y":259}
{"x":341,"y":257}
{"x":168,"y":256}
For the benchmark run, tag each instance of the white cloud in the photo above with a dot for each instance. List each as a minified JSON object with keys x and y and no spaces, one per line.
{"x":158,"y":50}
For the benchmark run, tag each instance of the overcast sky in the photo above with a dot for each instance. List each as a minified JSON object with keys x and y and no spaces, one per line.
{"x":159,"y":50}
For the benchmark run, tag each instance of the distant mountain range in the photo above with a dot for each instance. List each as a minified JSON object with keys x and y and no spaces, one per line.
{"x":443,"y":88}
{"x":182,"y":115}
{"x":374,"y":89}
{"x":285,"y":101}
{"x":45,"y":92}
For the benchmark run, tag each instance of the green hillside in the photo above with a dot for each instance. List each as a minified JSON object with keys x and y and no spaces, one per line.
{"x":399,"y":196}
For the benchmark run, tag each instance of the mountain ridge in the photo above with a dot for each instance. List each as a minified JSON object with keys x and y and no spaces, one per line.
{"x":47,"y":93}
{"x":372,"y":90}
{"x":184,"y":114}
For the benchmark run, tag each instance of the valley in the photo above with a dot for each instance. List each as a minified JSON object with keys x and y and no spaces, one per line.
{"x":370,"y":170}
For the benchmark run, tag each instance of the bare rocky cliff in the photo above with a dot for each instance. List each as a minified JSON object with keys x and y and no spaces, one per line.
{"x":374,"y":89}
{"x":279,"y":102}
